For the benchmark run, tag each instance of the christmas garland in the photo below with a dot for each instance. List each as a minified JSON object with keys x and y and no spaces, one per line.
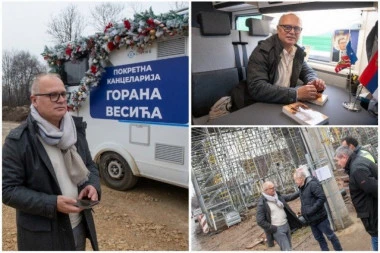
{"x":138,"y":33}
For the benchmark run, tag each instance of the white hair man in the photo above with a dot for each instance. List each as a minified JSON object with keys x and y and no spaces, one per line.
{"x":276,"y":217}
{"x":277,"y":63}
{"x":312,"y":208}
{"x":47,"y":166}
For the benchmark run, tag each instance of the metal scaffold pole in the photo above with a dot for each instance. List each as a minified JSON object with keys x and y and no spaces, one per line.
{"x":320,"y":158}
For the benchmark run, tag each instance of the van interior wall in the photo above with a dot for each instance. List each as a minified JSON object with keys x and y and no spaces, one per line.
{"x":213,"y":68}
{"x":196,"y":7}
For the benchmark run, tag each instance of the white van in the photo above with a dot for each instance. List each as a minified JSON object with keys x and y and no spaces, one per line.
{"x":137,"y":116}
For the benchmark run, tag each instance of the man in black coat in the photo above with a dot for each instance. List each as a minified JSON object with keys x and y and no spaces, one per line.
{"x":363,"y":188}
{"x":47,"y":166}
{"x":353,"y":144}
{"x":276,"y":217}
{"x":313,"y":210}
{"x":276,"y":65}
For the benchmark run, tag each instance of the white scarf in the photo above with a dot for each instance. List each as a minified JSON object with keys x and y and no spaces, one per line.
{"x":65,"y":139}
{"x":274,"y":199}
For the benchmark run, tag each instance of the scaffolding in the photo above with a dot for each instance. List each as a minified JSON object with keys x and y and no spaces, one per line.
{"x":229,"y":165}
{"x":367,"y":137}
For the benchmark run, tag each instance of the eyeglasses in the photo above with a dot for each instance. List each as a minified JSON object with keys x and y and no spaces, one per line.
{"x":54,"y":96}
{"x":270,"y":188}
{"x":288,"y":28}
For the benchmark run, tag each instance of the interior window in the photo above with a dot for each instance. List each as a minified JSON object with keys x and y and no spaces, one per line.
{"x":321,"y":31}
{"x":240,"y":22}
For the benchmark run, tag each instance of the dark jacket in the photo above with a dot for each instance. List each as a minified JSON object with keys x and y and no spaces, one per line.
{"x":262,"y":73}
{"x":336,"y":55}
{"x":312,"y":201}
{"x":263,"y":216}
{"x":30,"y":186}
{"x":363,"y":190}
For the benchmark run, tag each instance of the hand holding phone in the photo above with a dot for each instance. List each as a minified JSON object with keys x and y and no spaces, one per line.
{"x":86,"y":203}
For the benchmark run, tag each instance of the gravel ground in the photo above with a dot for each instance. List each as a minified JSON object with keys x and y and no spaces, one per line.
{"x":243,"y":236}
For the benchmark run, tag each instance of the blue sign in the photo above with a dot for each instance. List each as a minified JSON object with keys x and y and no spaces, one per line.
{"x":150,"y":92}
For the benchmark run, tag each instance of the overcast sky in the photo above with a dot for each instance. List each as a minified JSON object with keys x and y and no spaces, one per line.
{"x":24,"y":24}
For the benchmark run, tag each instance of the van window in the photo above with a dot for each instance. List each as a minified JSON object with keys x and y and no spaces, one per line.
{"x":321,"y":29}
{"x":240,"y":22}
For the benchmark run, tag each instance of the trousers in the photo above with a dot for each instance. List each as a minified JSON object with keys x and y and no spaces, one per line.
{"x":374,"y":243}
{"x":324,"y":228}
{"x":79,"y":233}
{"x":283,"y":237}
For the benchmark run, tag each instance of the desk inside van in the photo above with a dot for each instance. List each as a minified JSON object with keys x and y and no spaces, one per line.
{"x":271,"y":114}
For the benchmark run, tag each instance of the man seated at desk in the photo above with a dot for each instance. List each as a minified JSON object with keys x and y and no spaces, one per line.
{"x":277,"y":63}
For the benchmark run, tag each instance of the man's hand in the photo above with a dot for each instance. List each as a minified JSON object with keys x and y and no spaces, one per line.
{"x":273,"y":229}
{"x":319,"y":84}
{"x":66,"y":205}
{"x":89,"y":192}
{"x":307,"y":92}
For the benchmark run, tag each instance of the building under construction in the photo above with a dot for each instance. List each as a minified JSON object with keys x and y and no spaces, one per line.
{"x":229,"y":166}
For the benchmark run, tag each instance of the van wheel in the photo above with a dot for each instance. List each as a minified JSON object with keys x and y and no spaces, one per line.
{"x":115,"y":172}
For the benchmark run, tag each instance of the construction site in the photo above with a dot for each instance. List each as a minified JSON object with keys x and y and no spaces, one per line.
{"x":229,"y":166}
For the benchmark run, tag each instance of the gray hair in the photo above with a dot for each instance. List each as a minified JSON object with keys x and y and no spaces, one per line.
{"x":300,"y":173}
{"x":343,"y":151}
{"x":34,"y":88}
{"x":266,"y":184}
{"x":289,"y":14}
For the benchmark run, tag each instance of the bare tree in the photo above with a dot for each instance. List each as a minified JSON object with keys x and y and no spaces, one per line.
{"x":67,"y":26}
{"x":136,"y":7}
{"x":19,"y":69}
{"x":178,"y":5}
{"x":106,"y":12}
{"x":7,"y":70}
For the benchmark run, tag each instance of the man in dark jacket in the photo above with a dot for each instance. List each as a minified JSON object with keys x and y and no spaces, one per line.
{"x":277,"y":63}
{"x":47,"y":166}
{"x":313,"y":210}
{"x":353,"y":144}
{"x":276,"y":217}
{"x":363,"y":188}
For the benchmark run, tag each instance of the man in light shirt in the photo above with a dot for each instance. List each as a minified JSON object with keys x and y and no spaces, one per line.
{"x":277,"y":63}
{"x":276,"y":217}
